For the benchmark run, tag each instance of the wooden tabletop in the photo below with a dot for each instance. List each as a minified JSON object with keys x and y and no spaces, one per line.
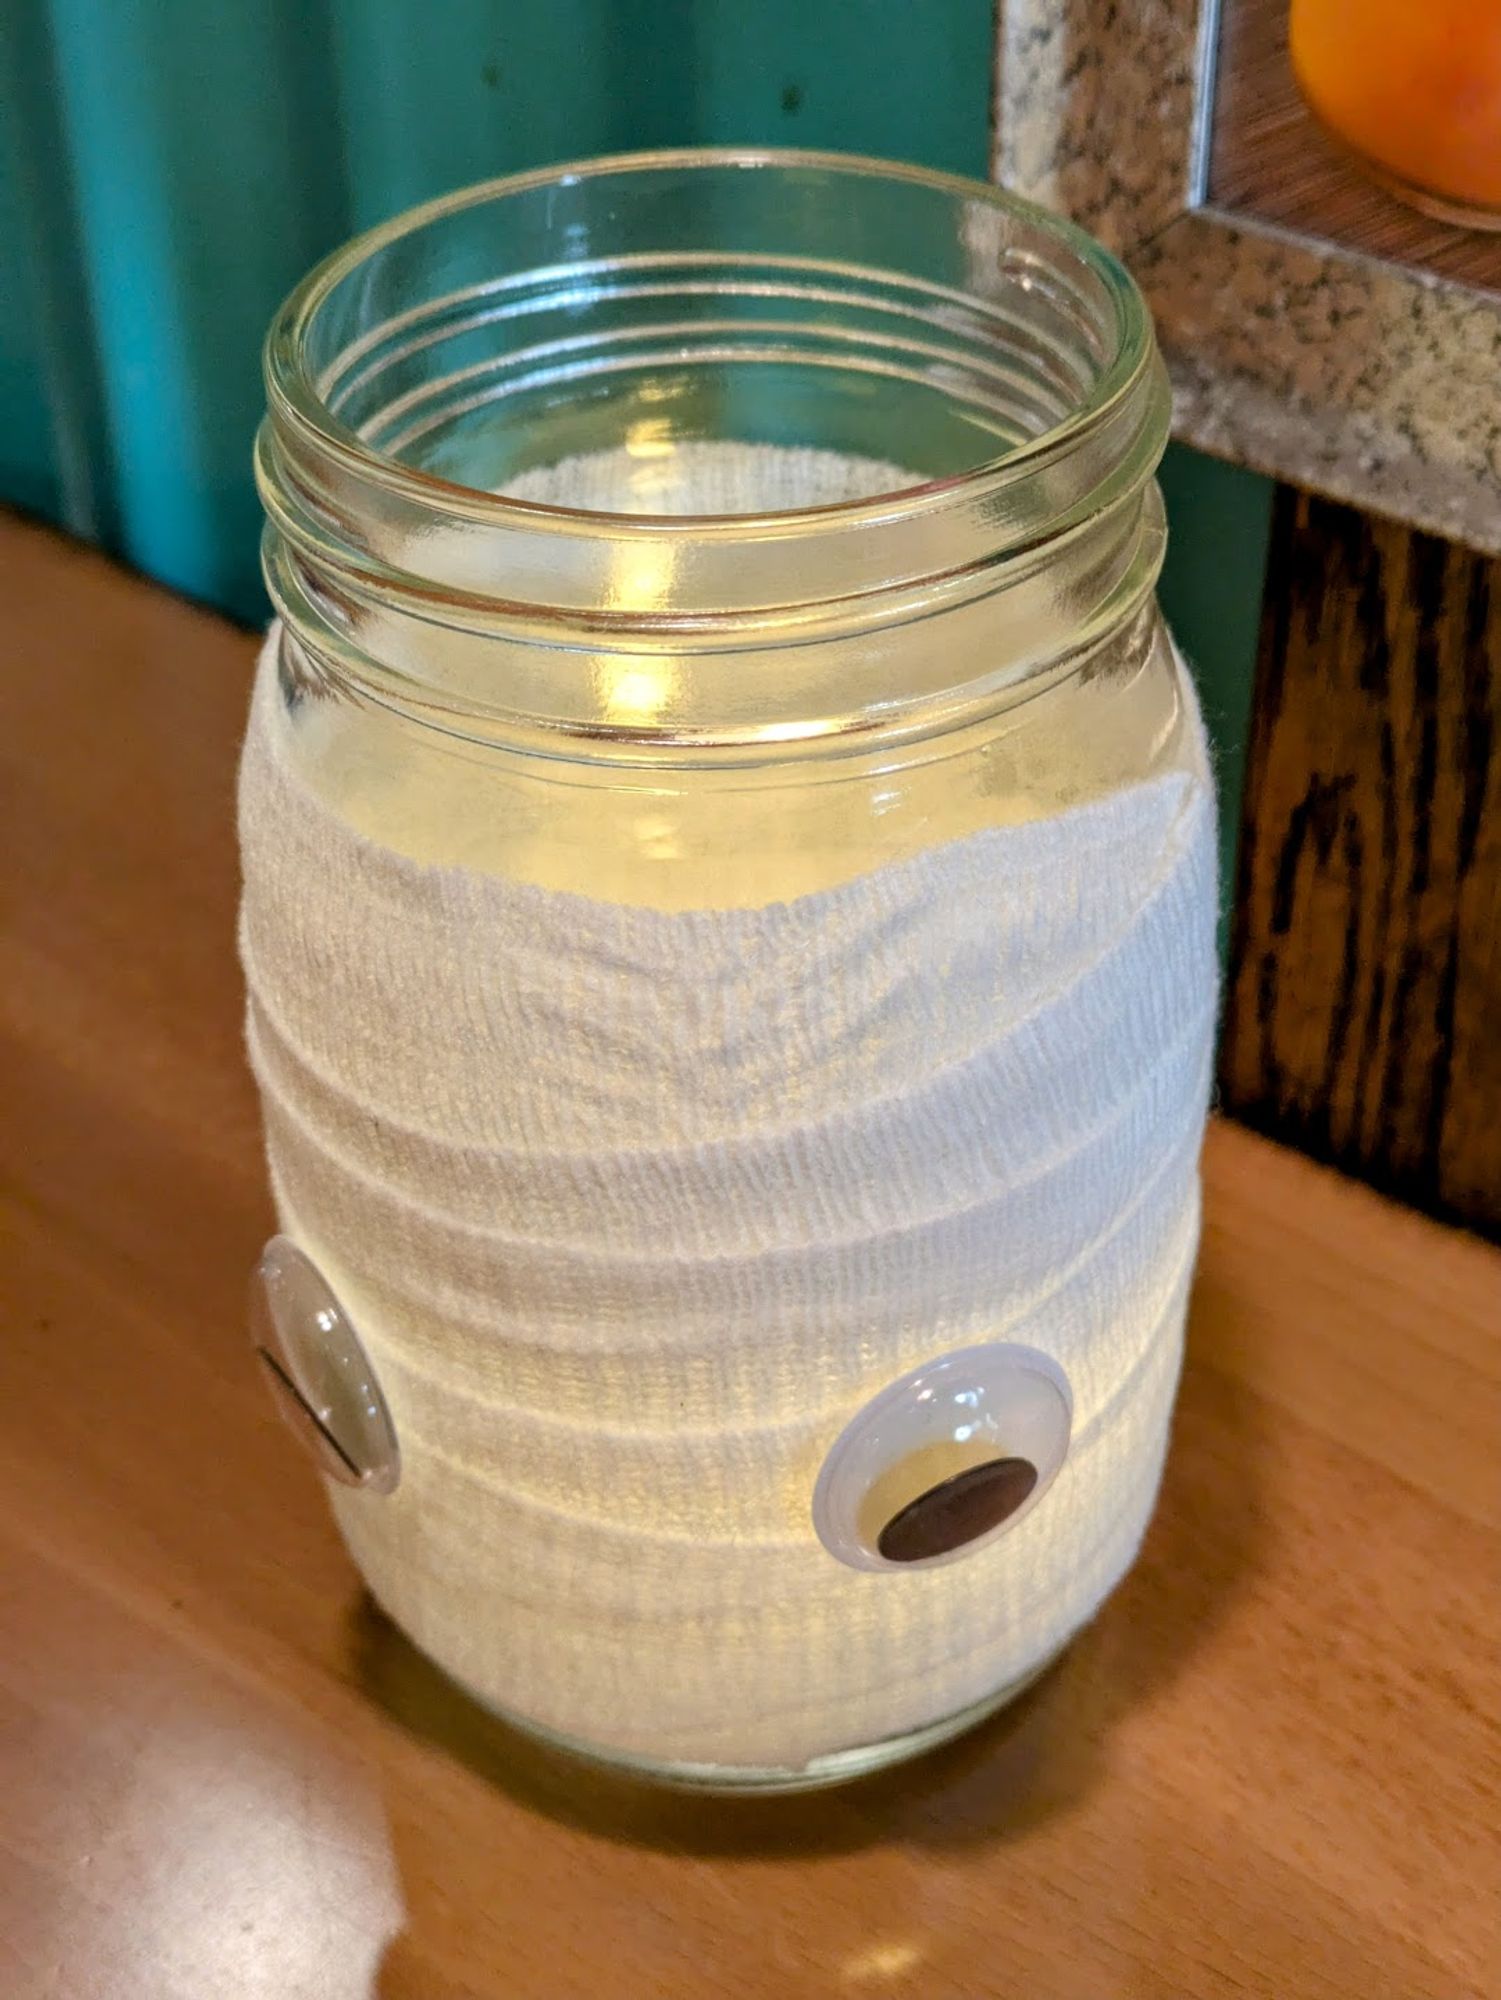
{"x":1270,"y":1768}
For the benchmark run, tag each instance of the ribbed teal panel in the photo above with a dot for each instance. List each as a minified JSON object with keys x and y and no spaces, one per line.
{"x":430,"y":96}
{"x":54,"y":445}
{"x":29,"y":472}
{"x":204,"y":175}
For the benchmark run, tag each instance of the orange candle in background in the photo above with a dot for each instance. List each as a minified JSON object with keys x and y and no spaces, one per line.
{"x":1414,"y":86}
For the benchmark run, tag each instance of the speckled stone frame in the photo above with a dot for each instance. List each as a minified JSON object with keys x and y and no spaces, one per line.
{"x":1370,"y":381}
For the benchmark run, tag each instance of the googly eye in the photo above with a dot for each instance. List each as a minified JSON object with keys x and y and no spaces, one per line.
{"x":945,"y":1460}
{"x":319,"y":1375}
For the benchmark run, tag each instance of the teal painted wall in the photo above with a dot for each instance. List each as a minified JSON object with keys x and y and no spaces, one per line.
{"x":169,"y":168}
{"x":1219,"y":518}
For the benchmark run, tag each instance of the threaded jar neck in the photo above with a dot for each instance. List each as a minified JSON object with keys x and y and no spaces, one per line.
{"x":986,"y":371}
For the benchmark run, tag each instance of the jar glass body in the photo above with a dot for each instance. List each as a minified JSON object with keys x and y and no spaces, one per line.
{"x":705,"y":581}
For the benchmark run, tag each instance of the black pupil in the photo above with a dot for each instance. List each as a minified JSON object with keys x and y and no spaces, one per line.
{"x":957,"y":1510}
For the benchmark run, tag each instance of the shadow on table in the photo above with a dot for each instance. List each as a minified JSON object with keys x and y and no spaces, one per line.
{"x":1032,"y":1762}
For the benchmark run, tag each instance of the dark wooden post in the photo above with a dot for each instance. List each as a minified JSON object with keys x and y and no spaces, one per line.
{"x":1363,"y":1019}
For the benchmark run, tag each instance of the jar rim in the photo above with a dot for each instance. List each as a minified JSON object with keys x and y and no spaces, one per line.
{"x":954,"y":321}
{"x":294,"y":395}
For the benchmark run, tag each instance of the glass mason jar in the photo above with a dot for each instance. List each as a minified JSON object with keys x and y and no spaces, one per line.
{"x":729,"y":928}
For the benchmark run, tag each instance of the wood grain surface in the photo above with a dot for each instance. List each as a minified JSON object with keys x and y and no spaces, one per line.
{"x":1270,"y":1768}
{"x":1363,"y":1021}
{"x":1269,"y":157}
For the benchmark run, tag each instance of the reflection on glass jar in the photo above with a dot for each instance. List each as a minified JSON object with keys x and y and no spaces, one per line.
{"x":1414,"y":87}
{"x":729,"y":922}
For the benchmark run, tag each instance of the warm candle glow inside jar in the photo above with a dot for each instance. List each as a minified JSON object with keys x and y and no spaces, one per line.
{"x":729,"y":929}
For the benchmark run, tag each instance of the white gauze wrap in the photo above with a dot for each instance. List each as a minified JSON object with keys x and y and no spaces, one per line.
{"x":634,"y":1209}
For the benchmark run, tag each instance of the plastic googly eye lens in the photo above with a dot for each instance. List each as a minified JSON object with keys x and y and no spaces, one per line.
{"x":320,"y":1377}
{"x":945,"y":1460}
